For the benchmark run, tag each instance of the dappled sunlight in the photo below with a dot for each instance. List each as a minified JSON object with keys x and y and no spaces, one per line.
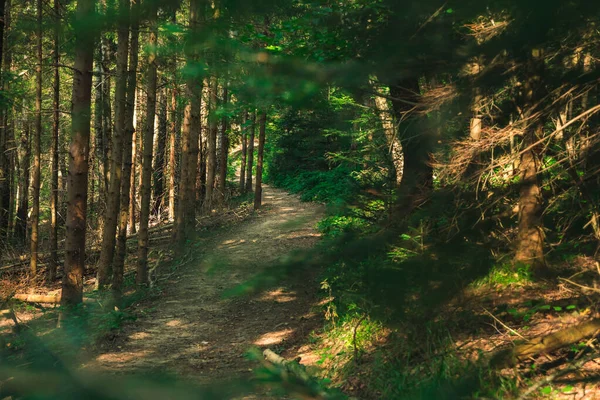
{"x":278,"y":296}
{"x":123,"y":357}
{"x":139,"y":336}
{"x":276,"y":337}
{"x":174,"y":323}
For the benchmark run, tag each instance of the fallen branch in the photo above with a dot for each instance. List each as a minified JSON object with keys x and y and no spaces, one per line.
{"x":44,"y":298}
{"x":574,"y":366}
{"x":545,"y":344}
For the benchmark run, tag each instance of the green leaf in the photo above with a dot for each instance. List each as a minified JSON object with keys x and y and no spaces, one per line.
{"x":546,"y":307}
{"x":567,"y":389}
{"x":449,"y":11}
{"x":546,"y":390}
{"x":557,"y":308}
{"x":571,"y":307}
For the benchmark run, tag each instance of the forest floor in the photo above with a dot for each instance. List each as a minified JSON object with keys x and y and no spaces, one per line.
{"x":196,"y":331}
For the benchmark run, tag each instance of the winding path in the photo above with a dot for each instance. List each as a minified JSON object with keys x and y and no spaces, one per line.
{"x":194,"y":331}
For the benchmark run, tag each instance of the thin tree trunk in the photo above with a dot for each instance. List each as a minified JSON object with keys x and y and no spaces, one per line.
{"x":135,"y":156}
{"x":530,"y":238}
{"x":35,"y":181}
{"x":72,"y":283}
{"x":250,"y":153}
{"x":99,"y":145}
{"x":113,"y":204}
{"x":391,"y":138}
{"x":173,"y":146}
{"x":159,"y":157}
{"x":5,"y":170}
{"x":107,"y":124}
{"x":119,"y":264}
{"x":262,"y":121}
{"x":223,"y":155}
{"x":142,"y":267}
{"x":211,"y":145}
{"x":20,"y":231}
{"x":417,"y":176}
{"x":244,"y":152}
{"x":55,"y":128}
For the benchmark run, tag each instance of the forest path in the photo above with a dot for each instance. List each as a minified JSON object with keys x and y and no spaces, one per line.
{"x":196,"y":332}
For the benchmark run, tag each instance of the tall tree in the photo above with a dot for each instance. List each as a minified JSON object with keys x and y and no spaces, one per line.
{"x":114,"y":193}
{"x":174,"y":128}
{"x":211,"y":159}
{"x":223,"y":155}
{"x":189,"y":137}
{"x":250,"y":152}
{"x":262,"y":121}
{"x":119,"y":264}
{"x":24,"y":161}
{"x":4,"y":181}
{"x":72,"y":283}
{"x":244,"y":151}
{"x":159,"y":157}
{"x":55,"y":132}
{"x":37,"y":137}
{"x":147,"y":147}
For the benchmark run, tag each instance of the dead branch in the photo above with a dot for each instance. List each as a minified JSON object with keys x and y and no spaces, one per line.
{"x":545,"y":344}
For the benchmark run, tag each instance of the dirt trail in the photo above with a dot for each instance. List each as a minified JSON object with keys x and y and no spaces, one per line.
{"x":194,"y":332}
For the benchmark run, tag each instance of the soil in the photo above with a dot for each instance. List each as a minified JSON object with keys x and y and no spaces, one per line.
{"x":196,"y":331}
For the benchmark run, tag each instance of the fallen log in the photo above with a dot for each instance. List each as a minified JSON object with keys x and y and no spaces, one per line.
{"x":545,"y":344}
{"x":44,"y":298}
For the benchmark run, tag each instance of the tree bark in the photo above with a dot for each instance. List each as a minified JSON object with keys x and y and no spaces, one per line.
{"x":55,"y":131}
{"x":530,"y":237}
{"x":114,"y":193}
{"x":262,"y":120}
{"x":223,"y":155}
{"x":391,"y":138}
{"x":159,"y":157}
{"x":72,"y":284}
{"x":147,"y":145}
{"x":250,"y":153}
{"x":4,"y":168}
{"x":119,"y":264}
{"x":174,"y":128}
{"x":20,"y":231}
{"x":35,"y":174}
{"x":417,"y":177}
{"x":211,"y":160}
{"x":185,"y":226}
{"x":107,"y":123}
{"x":244,"y":152}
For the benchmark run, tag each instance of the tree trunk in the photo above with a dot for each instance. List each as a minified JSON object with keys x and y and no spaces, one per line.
{"x":250,"y":153}
{"x":391,"y":138}
{"x":99,"y":142}
{"x":211,"y":160}
{"x":417,"y":177}
{"x":173,"y":146}
{"x":4,"y":168}
{"x":135,"y":156}
{"x":223,"y":155}
{"x":185,"y":226}
{"x":107,"y":124}
{"x":35,"y":178}
{"x":72,"y":284}
{"x":159,"y":158}
{"x":259,"y":160}
{"x":55,"y":129}
{"x":530,"y":238}
{"x":113,"y":203}
{"x":119,"y":264}
{"x":244,"y":152}
{"x":147,"y":146}
{"x":24,"y":158}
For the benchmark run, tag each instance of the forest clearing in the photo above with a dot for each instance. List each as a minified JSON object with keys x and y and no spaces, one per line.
{"x":307,"y":199}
